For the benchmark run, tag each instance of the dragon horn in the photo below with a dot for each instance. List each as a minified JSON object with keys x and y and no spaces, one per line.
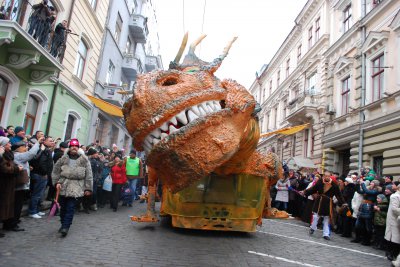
{"x":227,"y":48}
{"x":182,"y":48}
{"x":196,"y":43}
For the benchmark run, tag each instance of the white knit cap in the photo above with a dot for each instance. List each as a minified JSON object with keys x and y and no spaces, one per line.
{"x":349,"y":180}
{"x":4,"y":141}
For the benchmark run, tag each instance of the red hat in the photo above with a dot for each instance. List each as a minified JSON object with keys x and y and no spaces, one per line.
{"x":74,"y":142}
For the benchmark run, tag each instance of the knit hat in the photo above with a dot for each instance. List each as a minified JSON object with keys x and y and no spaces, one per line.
{"x":381,"y":196}
{"x":74,"y":142}
{"x":18,"y":129}
{"x":17,"y":145}
{"x":349,"y":180}
{"x":390,"y":177}
{"x":376,"y":182}
{"x":133,"y":151}
{"x":92,"y":151}
{"x":4,"y":140}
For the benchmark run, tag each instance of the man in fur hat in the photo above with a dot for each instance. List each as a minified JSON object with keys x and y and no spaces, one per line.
{"x":72,"y":175}
{"x":323,"y":205}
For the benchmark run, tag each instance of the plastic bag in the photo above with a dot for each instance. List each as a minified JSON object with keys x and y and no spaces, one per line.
{"x":107,"y":185}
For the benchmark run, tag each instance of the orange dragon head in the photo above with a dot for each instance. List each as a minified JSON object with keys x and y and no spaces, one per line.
{"x":188,"y":121}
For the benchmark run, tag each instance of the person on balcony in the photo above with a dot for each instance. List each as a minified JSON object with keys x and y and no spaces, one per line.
{"x":47,"y":25}
{"x":59,"y":38}
{"x":38,"y":18}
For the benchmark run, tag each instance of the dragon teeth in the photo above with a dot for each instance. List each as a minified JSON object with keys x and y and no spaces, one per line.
{"x":196,"y":110}
{"x":156,"y":133}
{"x":174,"y":121}
{"x":172,"y":129}
{"x":192,"y":116}
{"x":202,"y":111}
{"x":182,"y":118}
{"x":163,"y":135}
{"x":164,"y":127}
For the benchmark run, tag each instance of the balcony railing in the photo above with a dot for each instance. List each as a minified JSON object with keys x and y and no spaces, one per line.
{"x":44,"y":31}
{"x":138,"y":28}
{"x":131,"y":66}
{"x":110,"y":93}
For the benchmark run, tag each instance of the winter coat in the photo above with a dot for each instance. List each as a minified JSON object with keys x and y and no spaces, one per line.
{"x":380,"y":216}
{"x":97,"y":169}
{"x":8,"y":172}
{"x":58,"y":153}
{"x":323,"y":204}
{"x":42,"y":163}
{"x":23,"y":160}
{"x":294,"y":183}
{"x":282,"y":194}
{"x":366,"y":210}
{"x":348,"y":193}
{"x":118,"y":174}
{"x":105,"y":172}
{"x":392,"y":232}
{"x":74,"y":180}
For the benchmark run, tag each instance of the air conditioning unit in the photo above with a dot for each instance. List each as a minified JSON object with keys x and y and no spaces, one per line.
{"x":330,"y":109}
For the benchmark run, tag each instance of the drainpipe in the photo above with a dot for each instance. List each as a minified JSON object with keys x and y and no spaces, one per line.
{"x":53,"y":97}
{"x":363,"y":89}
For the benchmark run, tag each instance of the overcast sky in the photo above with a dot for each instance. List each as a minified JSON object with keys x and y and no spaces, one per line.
{"x":260,"y":25}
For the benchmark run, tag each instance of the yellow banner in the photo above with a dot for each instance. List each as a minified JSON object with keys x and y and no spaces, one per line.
{"x":287,"y":130}
{"x":106,"y":107}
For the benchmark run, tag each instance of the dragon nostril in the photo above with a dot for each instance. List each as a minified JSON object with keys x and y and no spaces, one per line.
{"x":222,"y":103}
{"x":169,"y":81}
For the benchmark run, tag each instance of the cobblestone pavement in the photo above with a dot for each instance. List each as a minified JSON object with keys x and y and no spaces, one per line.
{"x":106,"y":238}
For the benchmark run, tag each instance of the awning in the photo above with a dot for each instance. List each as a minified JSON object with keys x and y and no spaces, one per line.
{"x":297,"y":163}
{"x":106,"y":107}
{"x":287,"y":130}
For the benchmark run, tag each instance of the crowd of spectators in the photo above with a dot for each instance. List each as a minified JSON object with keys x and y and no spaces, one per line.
{"x":27,"y":164}
{"x":370,"y":214}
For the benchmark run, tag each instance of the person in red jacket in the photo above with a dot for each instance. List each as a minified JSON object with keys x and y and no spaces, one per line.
{"x":118,"y":175}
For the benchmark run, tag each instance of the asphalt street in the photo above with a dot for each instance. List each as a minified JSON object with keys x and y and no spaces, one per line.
{"x":107,"y":238}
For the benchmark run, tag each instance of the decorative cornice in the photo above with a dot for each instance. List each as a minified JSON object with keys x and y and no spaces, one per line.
{"x":7,"y":35}
{"x":374,"y":40}
{"x":395,"y":24}
{"x":40,"y":74}
{"x":22,"y":58}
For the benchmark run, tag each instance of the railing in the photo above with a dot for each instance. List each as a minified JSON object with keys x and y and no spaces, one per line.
{"x":50,"y":36}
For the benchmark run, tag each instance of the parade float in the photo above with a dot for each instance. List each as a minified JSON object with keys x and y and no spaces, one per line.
{"x":200,"y":135}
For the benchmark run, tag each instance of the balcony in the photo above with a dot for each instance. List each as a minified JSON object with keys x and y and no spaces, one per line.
{"x":109,"y":92}
{"x":20,"y":51}
{"x":152,"y":63}
{"x":302,"y":107}
{"x":131,"y":66}
{"x":138,"y":28}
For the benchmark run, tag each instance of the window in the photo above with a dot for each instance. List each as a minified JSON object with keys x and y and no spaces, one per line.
{"x":270,"y":88}
{"x":99,"y":129}
{"x":317,"y":28}
{"x":70,"y":126}
{"x":345,"y":95}
{"x":377,"y":165}
{"x":310,"y":37}
{"x":311,"y":82}
{"x":378,"y":75}
{"x":118,"y":28}
{"x":3,"y":94}
{"x":81,"y":59}
{"x":275,"y":118}
{"x":287,"y":67}
{"x":30,"y":115}
{"x":93,"y":4}
{"x":114,"y":135}
{"x":278,"y":79}
{"x":347,"y":18}
{"x":306,"y":134}
{"x":264,"y":90}
{"x":298,"y":53}
{"x":128,"y":47}
{"x":110,"y":72}
{"x":267,"y":121}
{"x":284,"y":109}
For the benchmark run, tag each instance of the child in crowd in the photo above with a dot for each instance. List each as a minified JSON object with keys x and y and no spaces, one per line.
{"x":380,"y":209}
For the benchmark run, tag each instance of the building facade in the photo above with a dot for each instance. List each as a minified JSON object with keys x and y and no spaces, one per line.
{"x":130,"y":47}
{"x":338,"y":71}
{"x":51,"y":95}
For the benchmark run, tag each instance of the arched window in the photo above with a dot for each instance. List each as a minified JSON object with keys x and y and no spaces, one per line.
{"x":73,"y":123}
{"x":30,"y":114}
{"x":81,"y":58}
{"x":3,"y":94}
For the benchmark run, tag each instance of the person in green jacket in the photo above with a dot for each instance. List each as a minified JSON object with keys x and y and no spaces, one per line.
{"x":134,"y":171}
{"x":370,"y":174}
{"x":380,"y":209}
